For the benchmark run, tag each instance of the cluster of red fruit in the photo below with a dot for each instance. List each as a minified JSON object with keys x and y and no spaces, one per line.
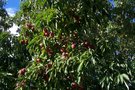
{"x":45,"y":75}
{"x":21,"y":84}
{"x":87,"y":45}
{"x":22,"y":71}
{"x":47,"y":33}
{"x":75,"y":86}
{"x":38,"y":60}
{"x":30,"y":26}
{"x":24,"y":42}
{"x":62,"y":50}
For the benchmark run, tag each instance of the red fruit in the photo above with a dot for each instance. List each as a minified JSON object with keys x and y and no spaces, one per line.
{"x":64,"y":54}
{"x":62,"y":50}
{"x":49,"y":51}
{"x":51,"y":34}
{"x":46,"y":32}
{"x":22,"y":41}
{"x":45,"y":29}
{"x":26,"y":41}
{"x":88,"y":45}
{"x":73,"y":45}
{"x":46,"y":77}
{"x":23,"y":83}
{"x":38,"y":60}
{"x":29,"y":25}
{"x":22,"y":71}
{"x":17,"y":85}
{"x":74,"y":85}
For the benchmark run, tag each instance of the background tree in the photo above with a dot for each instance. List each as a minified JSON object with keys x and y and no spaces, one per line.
{"x":5,"y":22}
{"x":77,"y":44}
{"x":13,"y":55}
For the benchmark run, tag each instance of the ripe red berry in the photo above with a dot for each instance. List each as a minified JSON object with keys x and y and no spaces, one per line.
{"x":45,"y":29}
{"x":17,"y":85}
{"x":74,"y":85}
{"x":23,"y":83}
{"x":29,"y":25}
{"x":26,"y":41}
{"x":22,"y":41}
{"x":86,"y":44}
{"x":73,"y":45}
{"x":51,"y":34}
{"x":46,"y":32}
{"x":62,"y":50}
{"x":49,"y":51}
{"x":64,"y":55}
{"x":38,"y":60}
{"x":22,"y":71}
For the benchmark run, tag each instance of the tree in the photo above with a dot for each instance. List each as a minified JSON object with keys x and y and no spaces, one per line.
{"x":5,"y":22}
{"x":13,"y":55}
{"x":77,"y":44}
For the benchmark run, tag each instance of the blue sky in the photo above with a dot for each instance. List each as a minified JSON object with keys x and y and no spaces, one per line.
{"x":12,"y":6}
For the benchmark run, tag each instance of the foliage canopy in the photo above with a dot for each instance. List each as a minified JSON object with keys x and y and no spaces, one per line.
{"x":78,"y":44}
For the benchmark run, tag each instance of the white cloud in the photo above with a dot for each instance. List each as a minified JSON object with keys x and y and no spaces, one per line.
{"x":11,"y":11}
{"x":13,"y":29}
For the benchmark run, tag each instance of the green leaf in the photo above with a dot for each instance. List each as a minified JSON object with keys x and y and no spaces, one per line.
{"x":108,"y":86}
{"x":118,"y":79}
{"x":5,"y":74}
{"x":80,"y":66}
{"x":126,"y":85}
{"x":125,"y":76}
{"x":93,"y":60}
{"x":121,"y":78}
